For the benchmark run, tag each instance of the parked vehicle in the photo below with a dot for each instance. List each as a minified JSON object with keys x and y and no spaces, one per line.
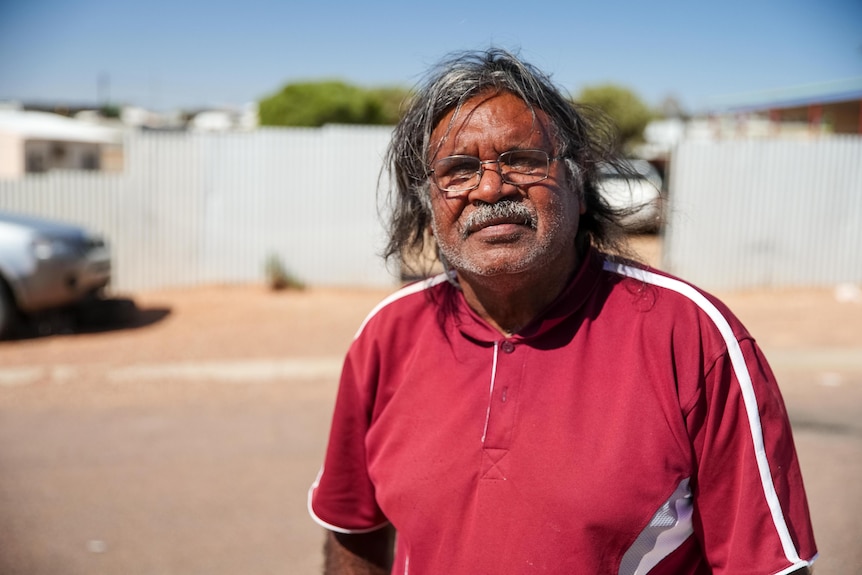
{"x":636,"y":193}
{"x":46,"y":265}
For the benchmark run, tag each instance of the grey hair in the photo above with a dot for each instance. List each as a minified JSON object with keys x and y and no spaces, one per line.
{"x":585,"y":138}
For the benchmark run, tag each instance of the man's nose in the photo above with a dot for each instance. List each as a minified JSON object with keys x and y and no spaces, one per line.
{"x":491,"y":185}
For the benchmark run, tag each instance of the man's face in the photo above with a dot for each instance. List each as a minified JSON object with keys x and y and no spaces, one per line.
{"x":502,"y":228}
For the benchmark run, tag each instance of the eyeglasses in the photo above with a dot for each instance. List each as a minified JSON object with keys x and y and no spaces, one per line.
{"x":460,"y":174}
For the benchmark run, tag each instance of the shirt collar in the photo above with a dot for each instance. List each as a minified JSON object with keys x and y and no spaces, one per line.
{"x":572,"y":298}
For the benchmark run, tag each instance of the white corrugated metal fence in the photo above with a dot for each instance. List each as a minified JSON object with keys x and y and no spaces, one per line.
{"x":776,"y":213}
{"x":211,"y":208}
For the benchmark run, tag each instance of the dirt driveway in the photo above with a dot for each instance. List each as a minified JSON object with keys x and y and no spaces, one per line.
{"x":185,"y":443}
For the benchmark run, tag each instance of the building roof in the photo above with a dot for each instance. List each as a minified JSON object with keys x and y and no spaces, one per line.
{"x":846,"y":90}
{"x":54,"y":127}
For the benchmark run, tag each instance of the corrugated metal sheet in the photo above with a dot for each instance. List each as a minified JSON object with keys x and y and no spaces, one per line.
{"x":211,"y":208}
{"x":757,"y":213}
{"x":192,"y":209}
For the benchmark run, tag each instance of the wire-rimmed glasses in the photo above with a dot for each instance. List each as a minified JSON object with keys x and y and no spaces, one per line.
{"x":455,"y":175}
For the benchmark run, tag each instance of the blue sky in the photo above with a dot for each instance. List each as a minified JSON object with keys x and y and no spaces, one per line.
{"x":173,"y":54}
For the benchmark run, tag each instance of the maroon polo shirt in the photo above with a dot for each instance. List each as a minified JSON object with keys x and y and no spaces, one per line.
{"x":634,"y":427}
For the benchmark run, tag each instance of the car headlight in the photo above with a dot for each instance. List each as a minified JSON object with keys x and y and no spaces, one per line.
{"x":49,"y":248}
{"x":95,"y":240}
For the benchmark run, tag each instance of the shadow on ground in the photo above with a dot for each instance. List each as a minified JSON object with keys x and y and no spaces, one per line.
{"x":94,"y":316}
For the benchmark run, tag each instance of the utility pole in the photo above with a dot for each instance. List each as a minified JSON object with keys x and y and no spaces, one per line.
{"x":104,"y":89}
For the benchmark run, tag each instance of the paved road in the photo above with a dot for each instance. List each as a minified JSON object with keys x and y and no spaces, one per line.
{"x":212,"y":481}
{"x":825,"y":410}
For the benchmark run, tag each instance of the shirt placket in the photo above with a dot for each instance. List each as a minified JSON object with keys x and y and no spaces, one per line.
{"x":502,"y":409}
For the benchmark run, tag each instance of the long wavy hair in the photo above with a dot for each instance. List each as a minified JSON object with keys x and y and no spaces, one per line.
{"x":586,"y":138}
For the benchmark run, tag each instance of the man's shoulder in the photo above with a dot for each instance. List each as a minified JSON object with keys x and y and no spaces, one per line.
{"x":642,"y":277}
{"x":411,"y":302}
{"x":680,"y":300}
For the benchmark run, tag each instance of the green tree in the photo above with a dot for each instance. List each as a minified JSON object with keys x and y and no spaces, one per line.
{"x":330,"y":102}
{"x":623,"y":106}
{"x":393,"y":100}
{"x":110,"y":111}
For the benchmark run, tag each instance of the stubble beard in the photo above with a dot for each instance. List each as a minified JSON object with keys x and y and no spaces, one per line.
{"x":542,"y":251}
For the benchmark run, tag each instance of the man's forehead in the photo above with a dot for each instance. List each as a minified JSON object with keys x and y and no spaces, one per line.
{"x":498,"y":112}
{"x":465,"y":110}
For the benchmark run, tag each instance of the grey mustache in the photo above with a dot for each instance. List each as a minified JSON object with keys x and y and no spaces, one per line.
{"x":502,"y":210}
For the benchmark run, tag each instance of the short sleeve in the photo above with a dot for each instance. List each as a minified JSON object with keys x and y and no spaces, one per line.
{"x":751,"y":513}
{"x":343,"y":496}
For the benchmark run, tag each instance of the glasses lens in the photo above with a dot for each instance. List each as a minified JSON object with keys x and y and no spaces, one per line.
{"x":457,"y":173}
{"x":463,"y":173}
{"x":524,"y":166}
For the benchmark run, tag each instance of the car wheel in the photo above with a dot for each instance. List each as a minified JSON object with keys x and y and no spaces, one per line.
{"x":8,"y":312}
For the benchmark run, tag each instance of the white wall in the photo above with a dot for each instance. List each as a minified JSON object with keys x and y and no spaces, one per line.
{"x":766,"y":213}
{"x":11,"y":155}
{"x":210,"y":208}
{"x":194,"y":209}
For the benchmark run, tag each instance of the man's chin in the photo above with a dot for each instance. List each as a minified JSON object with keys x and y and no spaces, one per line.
{"x":493,"y":267}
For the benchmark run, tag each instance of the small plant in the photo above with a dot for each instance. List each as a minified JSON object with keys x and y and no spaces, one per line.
{"x":278,"y":277}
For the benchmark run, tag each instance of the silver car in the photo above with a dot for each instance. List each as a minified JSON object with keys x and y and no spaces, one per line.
{"x":46,"y":264}
{"x":635,"y":194}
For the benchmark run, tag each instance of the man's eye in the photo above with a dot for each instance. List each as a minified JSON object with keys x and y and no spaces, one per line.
{"x":460,"y":169}
{"x":458,"y":178}
{"x":525,"y":163}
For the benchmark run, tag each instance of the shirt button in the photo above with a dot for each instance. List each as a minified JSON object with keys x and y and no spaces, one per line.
{"x":508,"y":347}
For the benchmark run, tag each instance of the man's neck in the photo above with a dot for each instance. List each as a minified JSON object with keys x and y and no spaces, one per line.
{"x":509,"y":302}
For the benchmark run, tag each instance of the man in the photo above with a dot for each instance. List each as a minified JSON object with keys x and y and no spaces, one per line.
{"x":545,"y":406}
